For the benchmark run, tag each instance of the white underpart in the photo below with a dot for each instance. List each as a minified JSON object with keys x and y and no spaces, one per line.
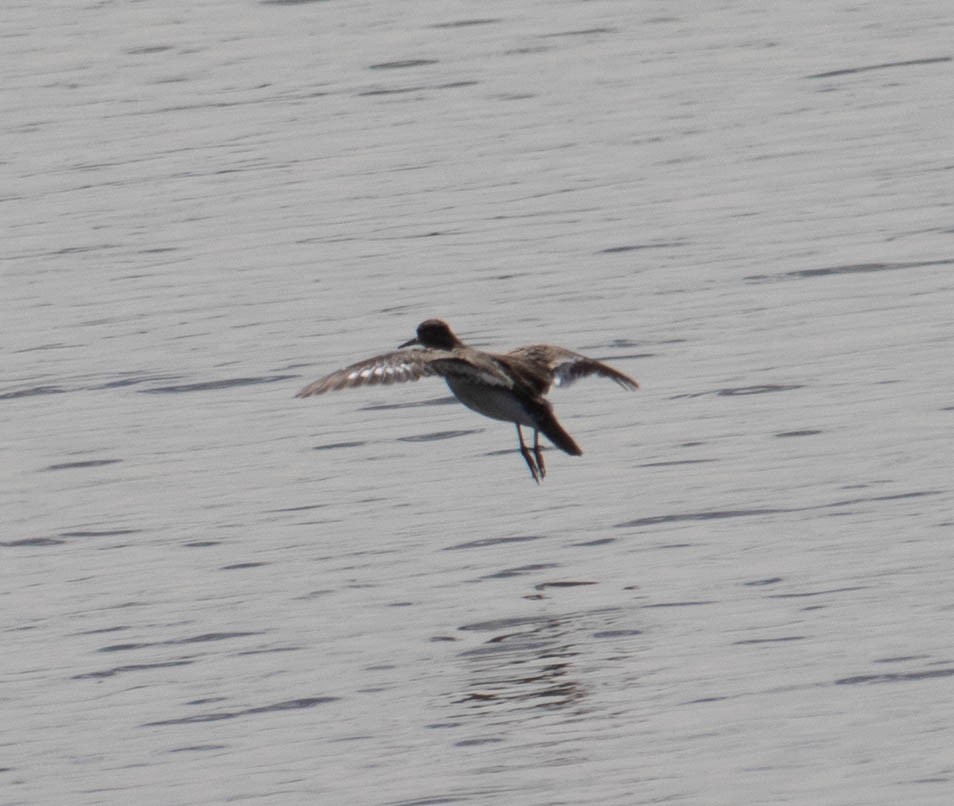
{"x":493,"y":380}
{"x":562,"y":375}
{"x":496,"y":402}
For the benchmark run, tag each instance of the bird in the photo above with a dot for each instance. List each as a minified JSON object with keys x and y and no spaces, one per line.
{"x":503,"y":386}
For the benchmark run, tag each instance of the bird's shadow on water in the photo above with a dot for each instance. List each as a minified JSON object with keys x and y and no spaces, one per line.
{"x":525,"y":661}
{"x":531,"y":661}
{"x":539,"y":662}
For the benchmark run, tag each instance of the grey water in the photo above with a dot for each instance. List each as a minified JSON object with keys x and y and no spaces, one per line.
{"x":213,"y":592}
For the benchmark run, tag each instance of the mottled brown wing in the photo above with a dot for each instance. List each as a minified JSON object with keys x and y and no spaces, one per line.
{"x":526,"y":371}
{"x":396,"y":367}
{"x":564,"y":366}
{"x":473,"y":366}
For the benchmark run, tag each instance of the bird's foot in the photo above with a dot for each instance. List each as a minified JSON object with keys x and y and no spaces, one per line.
{"x":528,"y":458}
{"x":538,"y":455}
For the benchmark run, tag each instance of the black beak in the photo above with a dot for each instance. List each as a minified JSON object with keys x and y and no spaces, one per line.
{"x":410,"y":343}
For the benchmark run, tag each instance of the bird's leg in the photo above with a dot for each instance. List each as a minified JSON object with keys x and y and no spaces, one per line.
{"x":538,"y":453}
{"x":528,"y":458}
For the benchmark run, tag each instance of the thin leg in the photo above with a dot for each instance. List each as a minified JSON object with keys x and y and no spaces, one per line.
{"x":528,"y":458}
{"x":538,"y":453}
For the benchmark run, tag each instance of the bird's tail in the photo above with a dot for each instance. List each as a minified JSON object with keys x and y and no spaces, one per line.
{"x":553,"y":431}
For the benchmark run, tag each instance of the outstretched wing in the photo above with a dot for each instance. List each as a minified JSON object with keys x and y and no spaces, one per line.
{"x":396,"y":367}
{"x":564,"y":366}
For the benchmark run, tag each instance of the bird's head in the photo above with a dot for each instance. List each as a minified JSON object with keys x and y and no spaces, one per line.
{"x":435,"y":334}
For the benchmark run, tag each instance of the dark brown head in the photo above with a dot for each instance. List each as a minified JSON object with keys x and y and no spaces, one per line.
{"x":436,"y":335}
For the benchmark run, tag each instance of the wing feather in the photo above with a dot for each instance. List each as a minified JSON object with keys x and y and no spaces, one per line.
{"x":396,"y":367}
{"x":409,"y":365}
{"x":565,"y":367}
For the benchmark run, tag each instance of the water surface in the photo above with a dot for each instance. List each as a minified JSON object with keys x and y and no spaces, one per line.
{"x":214,"y":592}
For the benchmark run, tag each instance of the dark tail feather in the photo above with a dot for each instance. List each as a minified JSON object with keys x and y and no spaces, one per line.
{"x":553,"y":431}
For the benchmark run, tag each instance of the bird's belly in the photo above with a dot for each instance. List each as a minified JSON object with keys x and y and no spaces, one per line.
{"x":491,"y":401}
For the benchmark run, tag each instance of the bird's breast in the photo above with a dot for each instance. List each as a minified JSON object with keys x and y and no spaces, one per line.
{"x":496,"y":402}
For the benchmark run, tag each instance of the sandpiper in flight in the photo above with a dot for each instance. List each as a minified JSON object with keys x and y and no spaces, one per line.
{"x":509,"y":387}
